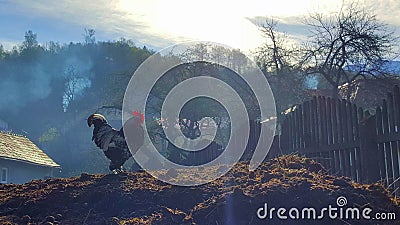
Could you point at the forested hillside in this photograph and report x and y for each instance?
(50, 89)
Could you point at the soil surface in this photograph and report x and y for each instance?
(137, 198)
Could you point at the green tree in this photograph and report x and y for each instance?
(30, 41)
(3, 53)
(37, 79)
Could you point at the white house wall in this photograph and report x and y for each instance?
(20, 172)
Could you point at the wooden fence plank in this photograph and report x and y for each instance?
(326, 155)
(286, 138)
(335, 131)
(351, 138)
(381, 147)
(393, 143)
(396, 96)
(368, 145)
(357, 139)
(301, 124)
(330, 134)
(320, 130)
(340, 137)
(306, 123)
(294, 134)
(290, 131)
(388, 163)
(346, 155)
(314, 122)
(297, 128)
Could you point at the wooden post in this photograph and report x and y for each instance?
(393, 143)
(357, 139)
(369, 150)
(335, 125)
(283, 142)
(388, 157)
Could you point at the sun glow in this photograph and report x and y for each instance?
(223, 21)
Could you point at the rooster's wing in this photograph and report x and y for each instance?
(103, 136)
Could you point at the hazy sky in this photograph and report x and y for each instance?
(158, 24)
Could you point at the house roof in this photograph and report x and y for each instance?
(17, 147)
(368, 93)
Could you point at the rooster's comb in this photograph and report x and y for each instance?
(138, 114)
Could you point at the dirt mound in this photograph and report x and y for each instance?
(137, 198)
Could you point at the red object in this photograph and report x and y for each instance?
(139, 114)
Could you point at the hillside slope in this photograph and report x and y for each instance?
(137, 198)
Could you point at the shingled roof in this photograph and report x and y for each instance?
(16, 147)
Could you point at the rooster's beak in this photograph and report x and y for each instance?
(90, 121)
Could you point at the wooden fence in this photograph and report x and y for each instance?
(345, 139)
(388, 137)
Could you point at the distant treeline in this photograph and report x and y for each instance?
(47, 90)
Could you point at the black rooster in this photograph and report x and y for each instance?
(113, 142)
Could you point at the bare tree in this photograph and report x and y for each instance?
(74, 83)
(346, 46)
(275, 55)
(198, 52)
(219, 54)
(238, 60)
(71, 84)
(89, 36)
(277, 59)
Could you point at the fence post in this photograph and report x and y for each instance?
(369, 150)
